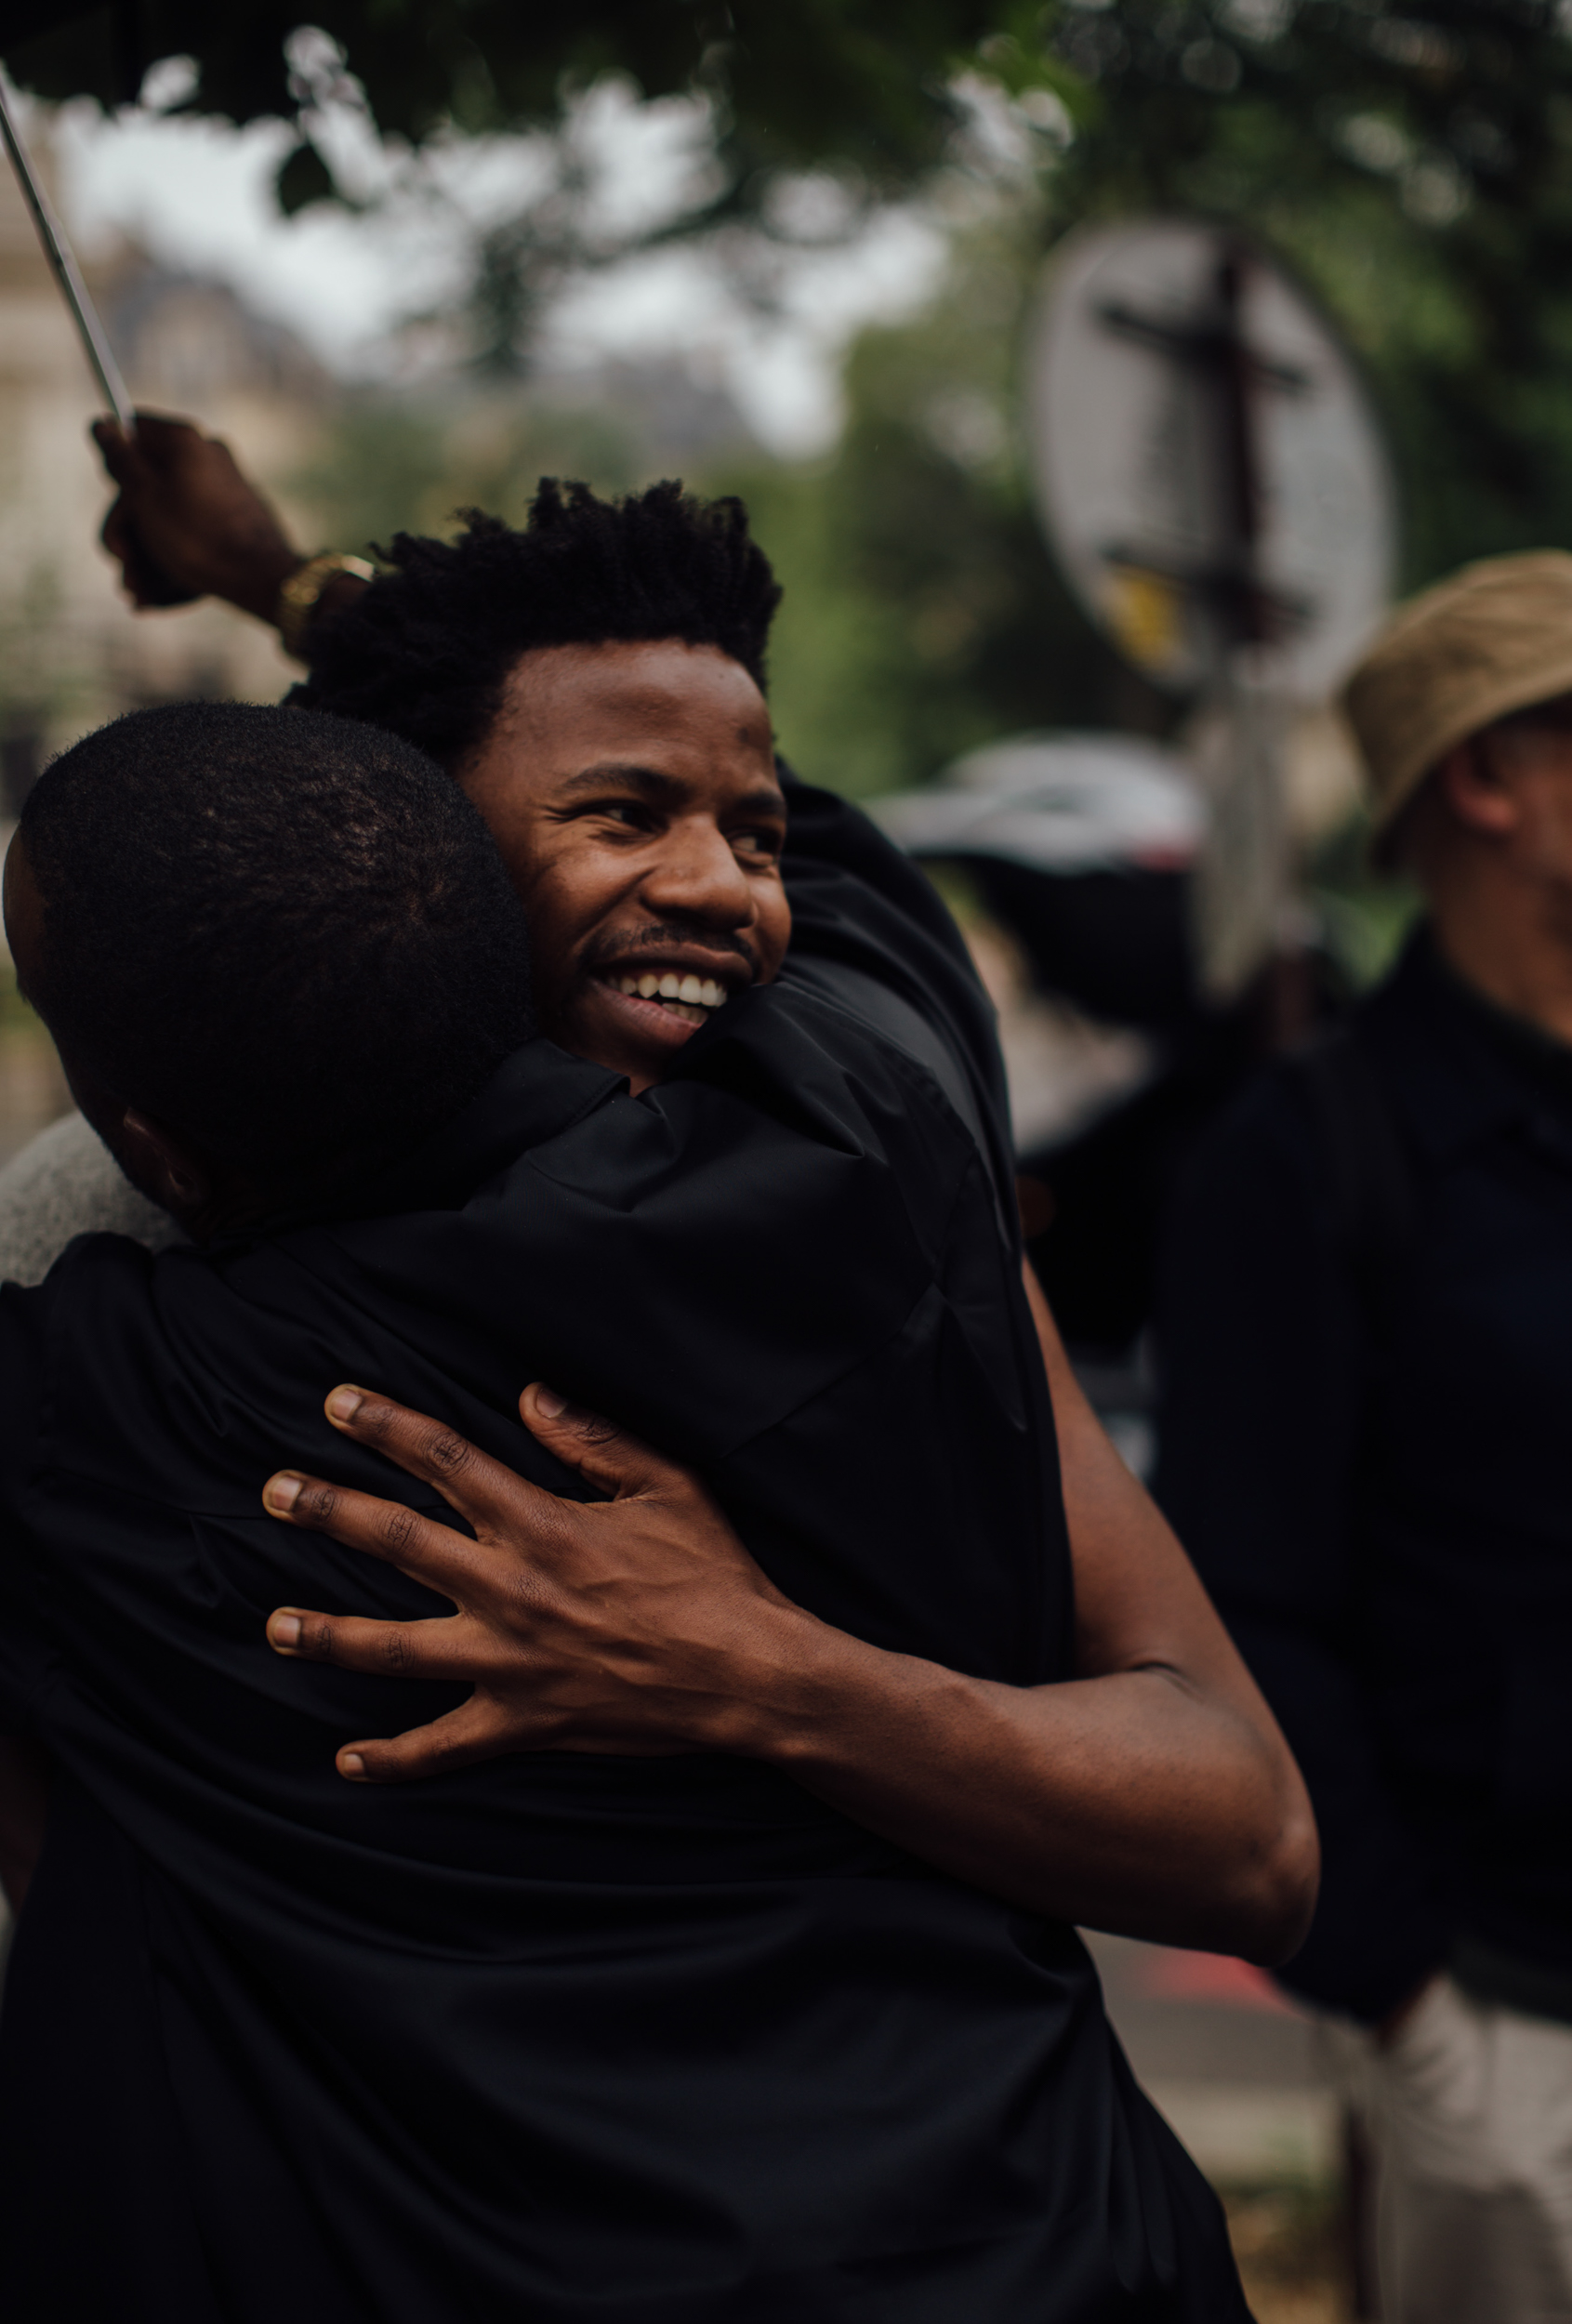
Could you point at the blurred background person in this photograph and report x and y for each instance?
(1363, 1445)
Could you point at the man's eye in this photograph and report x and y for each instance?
(764, 845)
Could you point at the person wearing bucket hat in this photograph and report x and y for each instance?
(1490, 648)
(1365, 1450)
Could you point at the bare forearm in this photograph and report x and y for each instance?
(1126, 1802)
(1151, 1793)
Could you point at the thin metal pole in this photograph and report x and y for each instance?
(1234, 375)
(67, 274)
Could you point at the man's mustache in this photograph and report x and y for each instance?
(668, 935)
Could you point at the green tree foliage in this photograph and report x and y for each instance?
(389, 464)
(1412, 161)
(923, 615)
(1416, 171)
(858, 84)
(1416, 166)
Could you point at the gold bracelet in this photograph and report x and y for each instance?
(298, 598)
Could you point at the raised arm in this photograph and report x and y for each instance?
(1151, 1795)
(189, 523)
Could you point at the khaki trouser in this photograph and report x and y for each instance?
(1468, 2115)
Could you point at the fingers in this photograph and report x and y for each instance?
(475, 1730)
(481, 1489)
(389, 1650)
(116, 534)
(117, 450)
(417, 1546)
(607, 1456)
(160, 442)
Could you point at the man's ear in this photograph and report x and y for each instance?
(1470, 781)
(158, 1161)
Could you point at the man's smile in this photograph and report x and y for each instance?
(691, 999)
(666, 998)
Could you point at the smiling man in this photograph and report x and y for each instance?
(767, 2060)
(645, 843)
(636, 2027)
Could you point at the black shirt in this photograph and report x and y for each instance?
(636, 2041)
(1379, 1496)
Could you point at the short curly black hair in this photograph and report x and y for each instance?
(426, 650)
(290, 937)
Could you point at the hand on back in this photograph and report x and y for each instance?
(626, 1625)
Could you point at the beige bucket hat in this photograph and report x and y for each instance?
(1496, 636)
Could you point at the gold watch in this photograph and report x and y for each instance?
(298, 598)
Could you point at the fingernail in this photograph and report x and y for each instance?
(344, 1404)
(281, 1492)
(549, 1402)
(285, 1629)
(352, 1764)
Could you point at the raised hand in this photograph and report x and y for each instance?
(187, 522)
(639, 1624)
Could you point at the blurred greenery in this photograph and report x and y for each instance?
(1292, 2241)
(862, 87)
(923, 615)
(1363, 917)
(1417, 167)
(922, 612)
(389, 464)
(1414, 169)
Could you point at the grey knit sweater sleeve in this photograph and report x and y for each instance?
(66, 1182)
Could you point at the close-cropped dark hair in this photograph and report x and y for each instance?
(428, 648)
(291, 938)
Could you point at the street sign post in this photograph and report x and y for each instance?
(1215, 486)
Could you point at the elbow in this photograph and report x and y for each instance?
(1279, 1889)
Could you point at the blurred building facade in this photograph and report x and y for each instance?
(71, 651)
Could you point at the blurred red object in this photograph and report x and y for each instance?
(1213, 1978)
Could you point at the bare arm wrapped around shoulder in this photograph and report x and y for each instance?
(1152, 1795)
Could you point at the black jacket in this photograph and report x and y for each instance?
(563, 2038)
(1372, 1465)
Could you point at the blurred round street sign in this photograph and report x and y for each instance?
(1207, 463)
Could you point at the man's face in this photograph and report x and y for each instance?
(632, 791)
(1533, 767)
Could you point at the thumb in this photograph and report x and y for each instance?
(603, 1454)
(118, 451)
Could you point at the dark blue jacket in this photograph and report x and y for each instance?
(1378, 1491)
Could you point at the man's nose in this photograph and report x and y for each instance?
(697, 872)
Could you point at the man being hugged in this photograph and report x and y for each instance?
(666, 2014)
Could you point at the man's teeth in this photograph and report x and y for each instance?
(701, 992)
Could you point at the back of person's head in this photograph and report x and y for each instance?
(288, 938)
(429, 647)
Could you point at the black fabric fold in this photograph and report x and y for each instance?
(581, 2040)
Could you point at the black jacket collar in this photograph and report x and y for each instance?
(1464, 1070)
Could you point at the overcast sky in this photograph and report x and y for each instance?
(198, 195)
